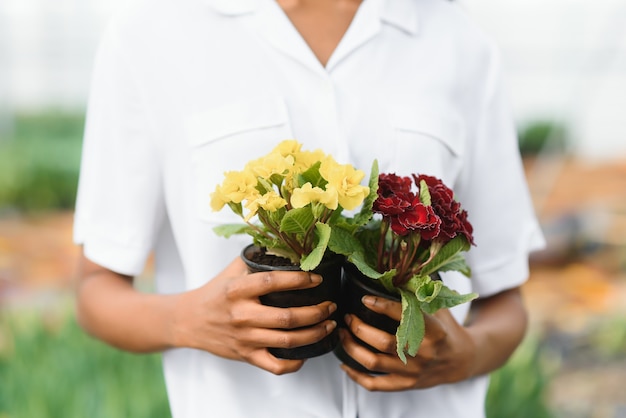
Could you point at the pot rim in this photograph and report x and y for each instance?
(264, 267)
(351, 272)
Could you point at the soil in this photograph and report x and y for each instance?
(262, 258)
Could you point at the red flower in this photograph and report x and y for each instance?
(391, 184)
(394, 195)
(454, 219)
(410, 226)
(419, 218)
(392, 205)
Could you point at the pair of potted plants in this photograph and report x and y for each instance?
(408, 229)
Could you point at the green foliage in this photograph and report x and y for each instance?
(228, 230)
(297, 221)
(314, 258)
(518, 389)
(50, 368)
(449, 255)
(412, 327)
(39, 161)
(422, 294)
(609, 338)
(542, 134)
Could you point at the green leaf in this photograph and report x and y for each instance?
(263, 241)
(277, 179)
(457, 263)
(236, 208)
(285, 253)
(445, 254)
(412, 328)
(343, 242)
(426, 289)
(447, 298)
(425, 194)
(263, 185)
(313, 176)
(369, 236)
(317, 209)
(274, 217)
(359, 262)
(297, 221)
(228, 230)
(312, 260)
(387, 280)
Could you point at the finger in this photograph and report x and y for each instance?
(264, 338)
(377, 362)
(381, 383)
(256, 315)
(383, 306)
(373, 336)
(258, 284)
(263, 359)
(236, 268)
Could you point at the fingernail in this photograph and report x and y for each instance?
(368, 300)
(315, 278)
(347, 319)
(332, 308)
(331, 326)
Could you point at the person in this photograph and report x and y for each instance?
(186, 90)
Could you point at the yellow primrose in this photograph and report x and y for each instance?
(305, 159)
(287, 147)
(270, 201)
(306, 194)
(346, 181)
(236, 187)
(273, 163)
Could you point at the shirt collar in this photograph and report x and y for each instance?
(233, 7)
(402, 14)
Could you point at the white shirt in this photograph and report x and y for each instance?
(186, 90)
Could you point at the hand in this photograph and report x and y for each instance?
(446, 354)
(225, 317)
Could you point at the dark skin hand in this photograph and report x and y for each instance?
(450, 351)
(223, 317)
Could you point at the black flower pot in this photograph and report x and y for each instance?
(328, 290)
(354, 286)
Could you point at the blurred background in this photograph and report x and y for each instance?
(565, 66)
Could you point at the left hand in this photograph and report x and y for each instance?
(446, 354)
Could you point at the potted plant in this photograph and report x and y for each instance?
(417, 230)
(292, 202)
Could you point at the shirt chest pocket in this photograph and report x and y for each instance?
(225, 138)
(426, 139)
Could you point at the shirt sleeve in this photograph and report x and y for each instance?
(119, 205)
(492, 188)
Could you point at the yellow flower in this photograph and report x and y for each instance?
(287, 147)
(305, 159)
(273, 163)
(237, 187)
(270, 201)
(306, 194)
(345, 180)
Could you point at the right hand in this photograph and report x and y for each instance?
(226, 318)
